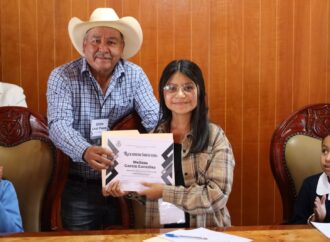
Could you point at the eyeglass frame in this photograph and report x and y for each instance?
(180, 87)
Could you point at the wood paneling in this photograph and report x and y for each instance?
(46, 49)
(165, 36)
(268, 79)
(10, 42)
(29, 58)
(261, 61)
(234, 103)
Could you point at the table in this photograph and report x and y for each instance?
(256, 233)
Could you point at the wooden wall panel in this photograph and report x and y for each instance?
(234, 108)
(46, 48)
(28, 48)
(117, 5)
(200, 35)
(10, 42)
(251, 110)
(63, 46)
(268, 79)
(182, 29)
(217, 78)
(301, 67)
(133, 8)
(165, 36)
(261, 61)
(149, 49)
(285, 59)
(318, 57)
(284, 70)
(92, 4)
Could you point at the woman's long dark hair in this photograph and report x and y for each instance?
(199, 118)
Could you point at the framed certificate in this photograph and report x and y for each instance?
(139, 158)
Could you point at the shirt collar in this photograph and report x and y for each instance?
(323, 185)
(118, 72)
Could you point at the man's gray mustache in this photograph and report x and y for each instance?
(103, 55)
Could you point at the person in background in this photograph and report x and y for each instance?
(203, 157)
(11, 95)
(87, 96)
(10, 217)
(313, 201)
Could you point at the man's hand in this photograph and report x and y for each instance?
(153, 192)
(98, 157)
(319, 209)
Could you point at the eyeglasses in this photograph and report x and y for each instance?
(187, 88)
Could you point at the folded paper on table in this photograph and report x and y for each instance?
(324, 228)
(139, 158)
(202, 233)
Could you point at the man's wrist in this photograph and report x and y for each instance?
(83, 155)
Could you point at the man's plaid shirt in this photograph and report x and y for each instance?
(75, 99)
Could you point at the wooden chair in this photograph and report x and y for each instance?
(296, 149)
(29, 160)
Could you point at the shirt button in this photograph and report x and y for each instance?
(184, 151)
(186, 174)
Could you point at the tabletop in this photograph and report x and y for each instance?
(255, 233)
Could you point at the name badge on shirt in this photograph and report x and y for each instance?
(97, 126)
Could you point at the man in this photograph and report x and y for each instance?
(10, 217)
(87, 96)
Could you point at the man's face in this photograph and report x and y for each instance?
(103, 47)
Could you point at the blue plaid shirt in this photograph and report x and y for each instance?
(75, 98)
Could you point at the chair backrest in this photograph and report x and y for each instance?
(295, 151)
(29, 160)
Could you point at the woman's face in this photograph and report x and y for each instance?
(325, 156)
(180, 94)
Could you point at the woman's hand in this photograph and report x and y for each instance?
(319, 209)
(113, 189)
(153, 191)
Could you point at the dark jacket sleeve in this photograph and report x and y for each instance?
(304, 204)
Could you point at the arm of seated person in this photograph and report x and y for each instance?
(320, 211)
(9, 210)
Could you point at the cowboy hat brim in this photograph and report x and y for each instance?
(128, 26)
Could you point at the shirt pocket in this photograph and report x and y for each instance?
(203, 160)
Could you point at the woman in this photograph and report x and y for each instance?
(313, 201)
(204, 160)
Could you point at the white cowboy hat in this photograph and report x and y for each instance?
(107, 17)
